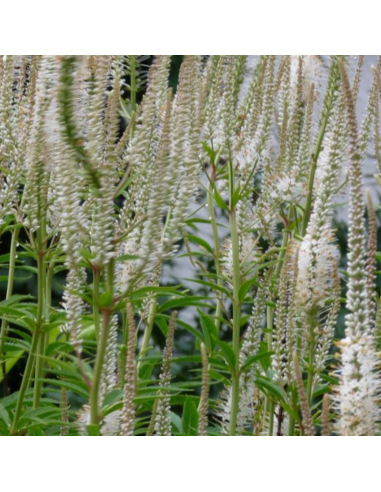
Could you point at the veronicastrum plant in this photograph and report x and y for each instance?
(109, 176)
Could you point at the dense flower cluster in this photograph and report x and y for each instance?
(357, 398)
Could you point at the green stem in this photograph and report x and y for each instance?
(11, 279)
(236, 306)
(44, 340)
(282, 254)
(270, 327)
(330, 98)
(217, 253)
(101, 352)
(293, 390)
(25, 381)
(41, 279)
(96, 315)
(131, 126)
(39, 370)
(148, 331)
(152, 308)
(310, 383)
(271, 420)
(123, 352)
(291, 427)
(269, 403)
(278, 270)
(307, 212)
(133, 83)
(271, 312)
(292, 423)
(40, 318)
(107, 313)
(311, 369)
(48, 290)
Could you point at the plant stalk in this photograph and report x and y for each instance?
(96, 315)
(319, 146)
(40, 318)
(11, 279)
(101, 352)
(148, 331)
(107, 313)
(25, 382)
(236, 305)
(217, 253)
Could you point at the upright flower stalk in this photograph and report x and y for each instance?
(129, 410)
(162, 417)
(359, 380)
(236, 304)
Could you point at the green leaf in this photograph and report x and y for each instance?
(255, 358)
(190, 418)
(209, 330)
(58, 348)
(162, 324)
(220, 378)
(14, 300)
(88, 333)
(177, 422)
(213, 286)
(4, 416)
(77, 388)
(21, 334)
(93, 430)
(16, 345)
(272, 388)
(105, 300)
(190, 329)
(9, 402)
(228, 354)
(211, 153)
(330, 379)
(146, 370)
(124, 258)
(201, 242)
(321, 390)
(183, 302)
(5, 258)
(12, 359)
(245, 288)
(236, 196)
(111, 399)
(5, 278)
(220, 202)
(86, 254)
(164, 291)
